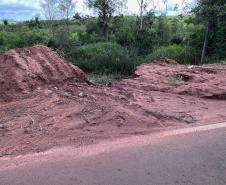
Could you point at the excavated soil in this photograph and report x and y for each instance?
(23, 70)
(46, 102)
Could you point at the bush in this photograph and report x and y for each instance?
(103, 58)
(65, 40)
(181, 54)
(31, 38)
(3, 49)
(145, 41)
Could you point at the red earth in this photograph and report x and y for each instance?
(46, 102)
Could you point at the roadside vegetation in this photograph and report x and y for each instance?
(113, 44)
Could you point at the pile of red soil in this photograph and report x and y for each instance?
(24, 70)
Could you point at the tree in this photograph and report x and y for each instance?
(77, 17)
(105, 10)
(6, 22)
(67, 9)
(50, 9)
(212, 12)
(163, 31)
(143, 4)
(37, 20)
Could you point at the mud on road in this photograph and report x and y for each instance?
(46, 102)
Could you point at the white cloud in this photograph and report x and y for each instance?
(26, 9)
(133, 5)
(19, 9)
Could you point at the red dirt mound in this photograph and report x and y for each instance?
(24, 70)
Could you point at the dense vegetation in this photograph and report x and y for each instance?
(121, 44)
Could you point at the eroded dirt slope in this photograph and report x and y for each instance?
(68, 111)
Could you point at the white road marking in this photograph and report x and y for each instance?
(195, 129)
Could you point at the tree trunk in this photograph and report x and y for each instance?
(67, 6)
(52, 27)
(141, 14)
(68, 21)
(205, 43)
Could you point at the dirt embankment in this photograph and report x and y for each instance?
(52, 104)
(168, 76)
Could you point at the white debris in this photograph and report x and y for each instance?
(56, 88)
(190, 67)
(80, 94)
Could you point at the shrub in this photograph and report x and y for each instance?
(32, 37)
(103, 58)
(145, 41)
(10, 40)
(3, 49)
(181, 54)
(65, 40)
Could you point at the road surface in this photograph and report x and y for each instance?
(190, 156)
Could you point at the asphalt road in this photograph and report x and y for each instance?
(185, 157)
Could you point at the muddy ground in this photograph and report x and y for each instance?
(46, 102)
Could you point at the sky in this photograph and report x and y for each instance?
(20, 10)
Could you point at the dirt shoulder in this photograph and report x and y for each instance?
(71, 112)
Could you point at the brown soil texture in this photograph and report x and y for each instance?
(66, 109)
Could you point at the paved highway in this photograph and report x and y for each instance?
(189, 156)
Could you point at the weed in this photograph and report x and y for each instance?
(180, 78)
(32, 121)
(128, 113)
(104, 80)
(67, 95)
(175, 81)
(86, 118)
(54, 119)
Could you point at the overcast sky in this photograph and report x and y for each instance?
(20, 10)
